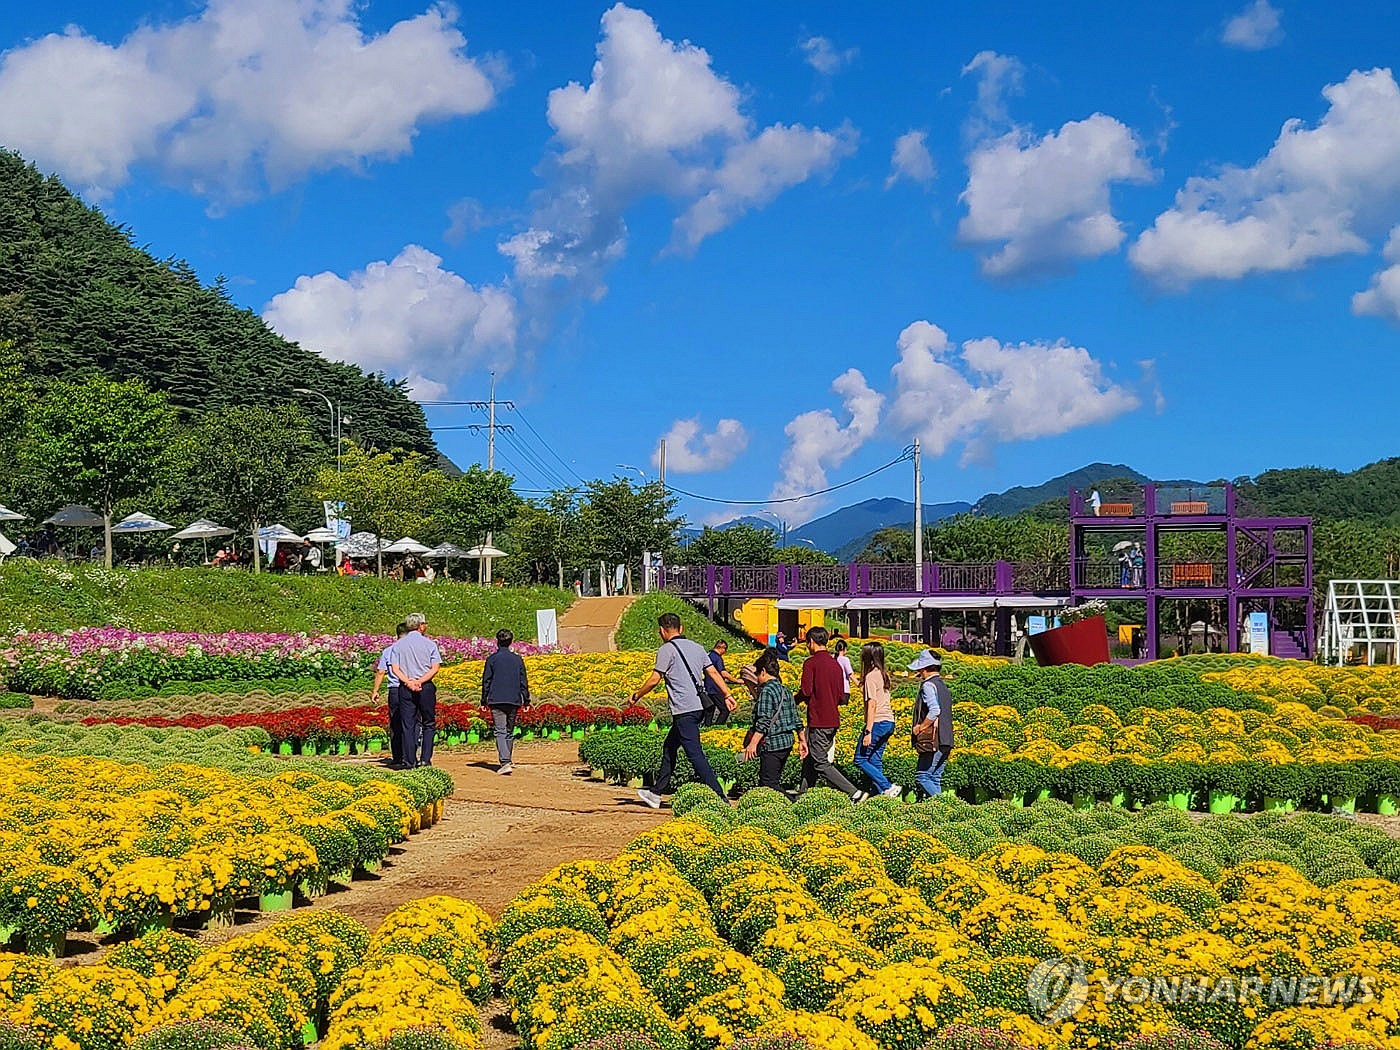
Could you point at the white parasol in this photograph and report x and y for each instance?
(407, 545)
(137, 523)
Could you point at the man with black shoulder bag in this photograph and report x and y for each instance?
(680, 663)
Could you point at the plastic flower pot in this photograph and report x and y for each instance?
(1343, 805)
(554, 734)
(1041, 795)
(1222, 801)
(1018, 800)
(579, 734)
(6, 933)
(277, 901)
(1082, 800)
(341, 878)
(103, 928)
(375, 745)
(370, 867)
(309, 1035)
(1119, 798)
(426, 814)
(439, 807)
(47, 943)
(1387, 805)
(284, 747)
(1180, 800)
(220, 917)
(1273, 804)
(473, 737)
(634, 782)
(1082, 642)
(342, 747)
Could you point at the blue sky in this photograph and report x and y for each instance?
(789, 236)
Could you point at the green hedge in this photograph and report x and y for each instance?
(638, 627)
(633, 753)
(53, 596)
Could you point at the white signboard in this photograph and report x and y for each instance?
(334, 520)
(1258, 633)
(546, 627)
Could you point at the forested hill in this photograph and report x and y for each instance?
(77, 297)
(1370, 493)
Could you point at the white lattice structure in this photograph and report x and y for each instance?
(1360, 623)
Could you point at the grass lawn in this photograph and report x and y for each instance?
(638, 627)
(55, 596)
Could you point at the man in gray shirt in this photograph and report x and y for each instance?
(681, 663)
(415, 659)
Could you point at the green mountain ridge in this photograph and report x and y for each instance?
(78, 297)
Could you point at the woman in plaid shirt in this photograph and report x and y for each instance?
(775, 723)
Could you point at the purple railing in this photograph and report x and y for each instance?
(867, 580)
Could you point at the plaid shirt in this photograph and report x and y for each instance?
(775, 716)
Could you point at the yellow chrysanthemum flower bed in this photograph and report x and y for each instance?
(130, 847)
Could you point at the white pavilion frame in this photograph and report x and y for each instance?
(1361, 614)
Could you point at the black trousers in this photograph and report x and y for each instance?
(418, 712)
(685, 736)
(770, 768)
(395, 726)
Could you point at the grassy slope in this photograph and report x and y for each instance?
(51, 596)
(638, 627)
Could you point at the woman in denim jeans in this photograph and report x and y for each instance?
(879, 719)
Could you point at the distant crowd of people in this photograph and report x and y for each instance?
(698, 685)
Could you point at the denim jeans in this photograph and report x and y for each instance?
(503, 719)
(929, 774)
(685, 735)
(870, 758)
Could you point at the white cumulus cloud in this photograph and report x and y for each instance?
(1382, 298)
(690, 450)
(407, 318)
(243, 97)
(1038, 204)
(1257, 27)
(655, 119)
(818, 442)
(984, 392)
(1319, 192)
(911, 160)
(824, 56)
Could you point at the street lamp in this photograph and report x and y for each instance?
(781, 524)
(336, 418)
(642, 473)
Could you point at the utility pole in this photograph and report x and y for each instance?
(918, 538)
(489, 407)
(662, 473)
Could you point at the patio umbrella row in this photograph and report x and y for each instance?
(358, 545)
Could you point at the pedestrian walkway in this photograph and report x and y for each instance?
(590, 624)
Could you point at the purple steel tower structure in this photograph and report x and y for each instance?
(1166, 543)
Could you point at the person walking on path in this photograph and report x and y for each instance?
(822, 690)
(775, 723)
(384, 671)
(933, 723)
(845, 663)
(716, 710)
(505, 690)
(879, 719)
(680, 664)
(416, 659)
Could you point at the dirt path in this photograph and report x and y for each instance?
(590, 624)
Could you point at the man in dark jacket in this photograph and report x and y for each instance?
(504, 689)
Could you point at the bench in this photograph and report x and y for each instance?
(1191, 507)
(1115, 510)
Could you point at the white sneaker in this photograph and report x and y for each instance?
(651, 798)
(893, 791)
(506, 770)
(859, 797)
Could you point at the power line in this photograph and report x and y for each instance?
(906, 455)
(548, 447)
(546, 472)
